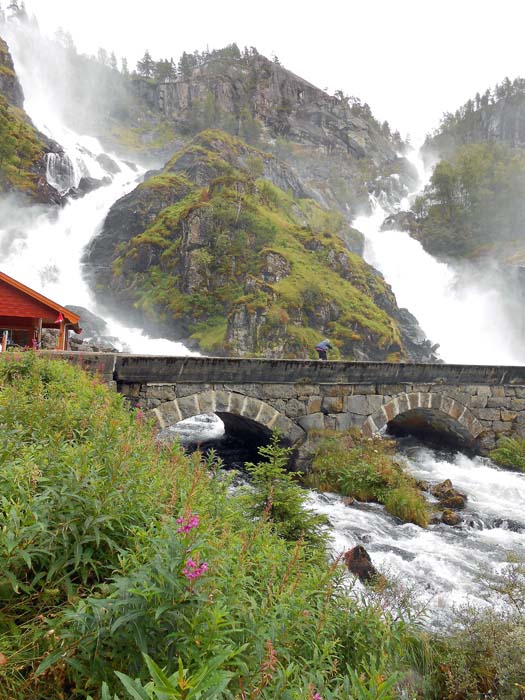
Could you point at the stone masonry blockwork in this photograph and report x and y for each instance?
(296, 396)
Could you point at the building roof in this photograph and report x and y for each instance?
(19, 301)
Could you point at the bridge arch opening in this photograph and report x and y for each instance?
(431, 427)
(431, 417)
(234, 439)
(234, 425)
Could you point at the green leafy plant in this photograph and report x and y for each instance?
(276, 496)
(510, 452)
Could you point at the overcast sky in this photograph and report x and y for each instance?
(411, 60)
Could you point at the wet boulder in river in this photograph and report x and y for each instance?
(448, 496)
(359, 563)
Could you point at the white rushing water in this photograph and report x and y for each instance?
(471, 316)
(442, 566)
(44, 249)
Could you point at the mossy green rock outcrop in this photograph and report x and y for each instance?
(23, 149)
(212, 251)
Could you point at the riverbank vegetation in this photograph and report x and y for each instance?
(131, 570)
(365, 469)
(510, 453)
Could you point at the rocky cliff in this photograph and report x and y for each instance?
(23, 149)
(338, 149)
(496, 117)
(9, 85)
(214, 251)
(473, 206)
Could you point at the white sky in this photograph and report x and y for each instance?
(411, 60)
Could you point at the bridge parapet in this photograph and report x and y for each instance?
(480, 403)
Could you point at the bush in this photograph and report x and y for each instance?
(365, 469)
(510, 452)
(74, 463)
(483, 655)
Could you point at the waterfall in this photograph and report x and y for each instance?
(60, 172)
(43, 248)
(473, 314)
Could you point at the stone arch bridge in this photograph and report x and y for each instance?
(468, 404)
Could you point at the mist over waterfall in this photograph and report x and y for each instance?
(43, 248)
(473, 313)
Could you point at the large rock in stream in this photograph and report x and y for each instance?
(448, 496)
(359, 563)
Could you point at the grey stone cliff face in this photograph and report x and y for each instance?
(338, 151)
(501, 122)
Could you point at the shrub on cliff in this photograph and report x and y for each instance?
(474, 201)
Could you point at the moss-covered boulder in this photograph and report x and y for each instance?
(211, 251)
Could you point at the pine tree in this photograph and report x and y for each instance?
(184, 67)
(277, 497)
(124, 66)
(102, 57)
(146, 65)
(14, 9)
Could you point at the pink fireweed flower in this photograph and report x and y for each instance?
(192, 570)
(317, 697)
(188, 523)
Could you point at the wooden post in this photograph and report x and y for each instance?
(61, 336)
(4, 340)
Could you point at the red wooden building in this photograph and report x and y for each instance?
(24, 313)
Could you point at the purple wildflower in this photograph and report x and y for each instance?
(317, 697)
(192, 570)
(188, 523)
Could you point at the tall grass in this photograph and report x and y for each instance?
(365, 469)
(510, 452)
(127, 567)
